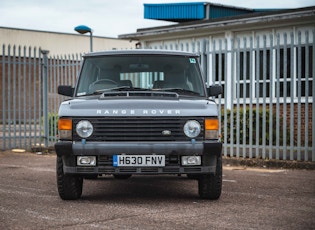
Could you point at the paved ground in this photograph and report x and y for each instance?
(251, 199)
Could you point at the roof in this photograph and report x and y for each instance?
(246, 21)
(141, 52)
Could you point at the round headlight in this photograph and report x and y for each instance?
(192, 128)
(84, 129)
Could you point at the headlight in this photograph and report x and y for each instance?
(192, 128)
(84, 129)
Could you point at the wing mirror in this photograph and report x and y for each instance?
(214, 90)
(65, 90)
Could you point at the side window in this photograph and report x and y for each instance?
(89, 75)
(193, 78)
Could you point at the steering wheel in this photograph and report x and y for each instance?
(102, 84)
(104, 81)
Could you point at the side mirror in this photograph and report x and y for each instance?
(214, 90)
(65, 90)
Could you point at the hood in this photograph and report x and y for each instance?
(137, 107)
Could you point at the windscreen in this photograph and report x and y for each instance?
(179, 74)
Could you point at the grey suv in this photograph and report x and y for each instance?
(139, 112)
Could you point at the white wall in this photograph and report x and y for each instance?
(60, 43)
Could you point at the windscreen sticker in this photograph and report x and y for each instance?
(192, 60)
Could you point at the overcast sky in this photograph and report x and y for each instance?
(107, 18)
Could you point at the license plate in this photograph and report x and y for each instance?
(139, 160)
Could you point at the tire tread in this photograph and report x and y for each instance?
(69, 187)
(210, 185)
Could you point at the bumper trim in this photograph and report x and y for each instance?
(142, 171)
(67, 148)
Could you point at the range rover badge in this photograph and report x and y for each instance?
(166, 132)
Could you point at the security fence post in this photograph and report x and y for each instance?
(45, 96)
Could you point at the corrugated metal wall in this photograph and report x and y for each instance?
(221, 11)
(190, 11)
(174, 11)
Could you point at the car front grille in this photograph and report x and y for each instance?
(138, 128)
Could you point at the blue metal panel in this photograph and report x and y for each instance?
(222, 11)
(175, 11)
(189, 11)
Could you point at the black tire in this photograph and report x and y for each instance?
(69, 187)
(122, 176)
(210, 185)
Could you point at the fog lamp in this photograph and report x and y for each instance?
(86, 160)
(191, 160)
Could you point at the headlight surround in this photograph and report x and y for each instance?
(84, 128)
(192, 128)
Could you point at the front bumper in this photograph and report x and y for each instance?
(172, 150)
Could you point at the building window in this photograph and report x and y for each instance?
(263, 72)
(304, 63)
(244, 73)
(254, 74)
(220, 70)
(283, 72)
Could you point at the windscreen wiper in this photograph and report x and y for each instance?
(120, 88)
(180, 90)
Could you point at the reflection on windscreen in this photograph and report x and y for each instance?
(177, 73)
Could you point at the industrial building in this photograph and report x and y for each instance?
(59, 43)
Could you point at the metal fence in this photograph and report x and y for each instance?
(269, 90)
(266, 110)
(29, 105)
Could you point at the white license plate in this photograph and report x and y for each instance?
(139, 160)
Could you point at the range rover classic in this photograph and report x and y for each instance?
(139, 112)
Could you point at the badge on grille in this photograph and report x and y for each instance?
(166, 132)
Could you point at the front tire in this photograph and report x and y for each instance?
(210, 185)
(69, 187)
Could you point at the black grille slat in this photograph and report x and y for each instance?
(137, 128)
